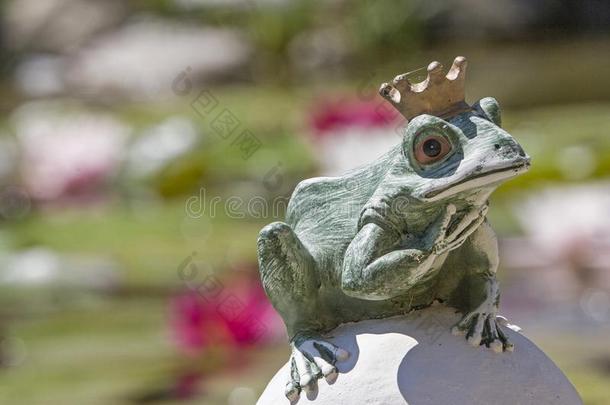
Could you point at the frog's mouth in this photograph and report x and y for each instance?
(494, 175)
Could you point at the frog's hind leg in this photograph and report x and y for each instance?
(290, 280)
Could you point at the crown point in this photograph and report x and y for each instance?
(402, 83)
(459, 60)
(390, 93)
(435, 73)
(458, 69)
(434, 67)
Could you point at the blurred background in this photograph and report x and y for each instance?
(143, 144)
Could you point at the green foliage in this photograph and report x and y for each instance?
(273, 28)
(385, 27)
(182, 176)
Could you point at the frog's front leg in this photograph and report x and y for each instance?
(375, 267)
(291, 282)
(481, 324)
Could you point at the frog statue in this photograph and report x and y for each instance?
(398, 234)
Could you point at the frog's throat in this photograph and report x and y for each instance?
(488, 178)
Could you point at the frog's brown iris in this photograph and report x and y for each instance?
(431, 149)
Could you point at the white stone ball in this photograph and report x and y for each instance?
(414, 359)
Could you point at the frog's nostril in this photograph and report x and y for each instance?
(510, 147)
(517, 148)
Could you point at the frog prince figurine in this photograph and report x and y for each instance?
(399, 233)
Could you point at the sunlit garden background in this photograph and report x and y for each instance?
(143, 144)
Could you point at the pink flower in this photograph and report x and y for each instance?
(351, 132)
(333, 116)
(190, 318)
(237, 315)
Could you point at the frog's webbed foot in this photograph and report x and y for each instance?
(312, 358)
(483, 328)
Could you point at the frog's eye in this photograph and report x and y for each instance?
(431, 148)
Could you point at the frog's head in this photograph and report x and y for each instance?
(452, 150)
(461, 155)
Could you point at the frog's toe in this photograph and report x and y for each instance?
(476, 333)
(457, 331)
(464, 325)
(323, 351)
(474, 340)
(491, 338)
(293, 386)
(306, 369)
(328, 370)
(506, 343)
(293, 391)
(320, 358)
(303, 375)
(336, 353)
(496, 346)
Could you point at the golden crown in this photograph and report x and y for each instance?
(440, 95)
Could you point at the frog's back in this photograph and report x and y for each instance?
(324, 211)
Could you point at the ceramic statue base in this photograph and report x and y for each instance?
(414, 359)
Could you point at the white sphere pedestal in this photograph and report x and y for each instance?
(414, 359)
